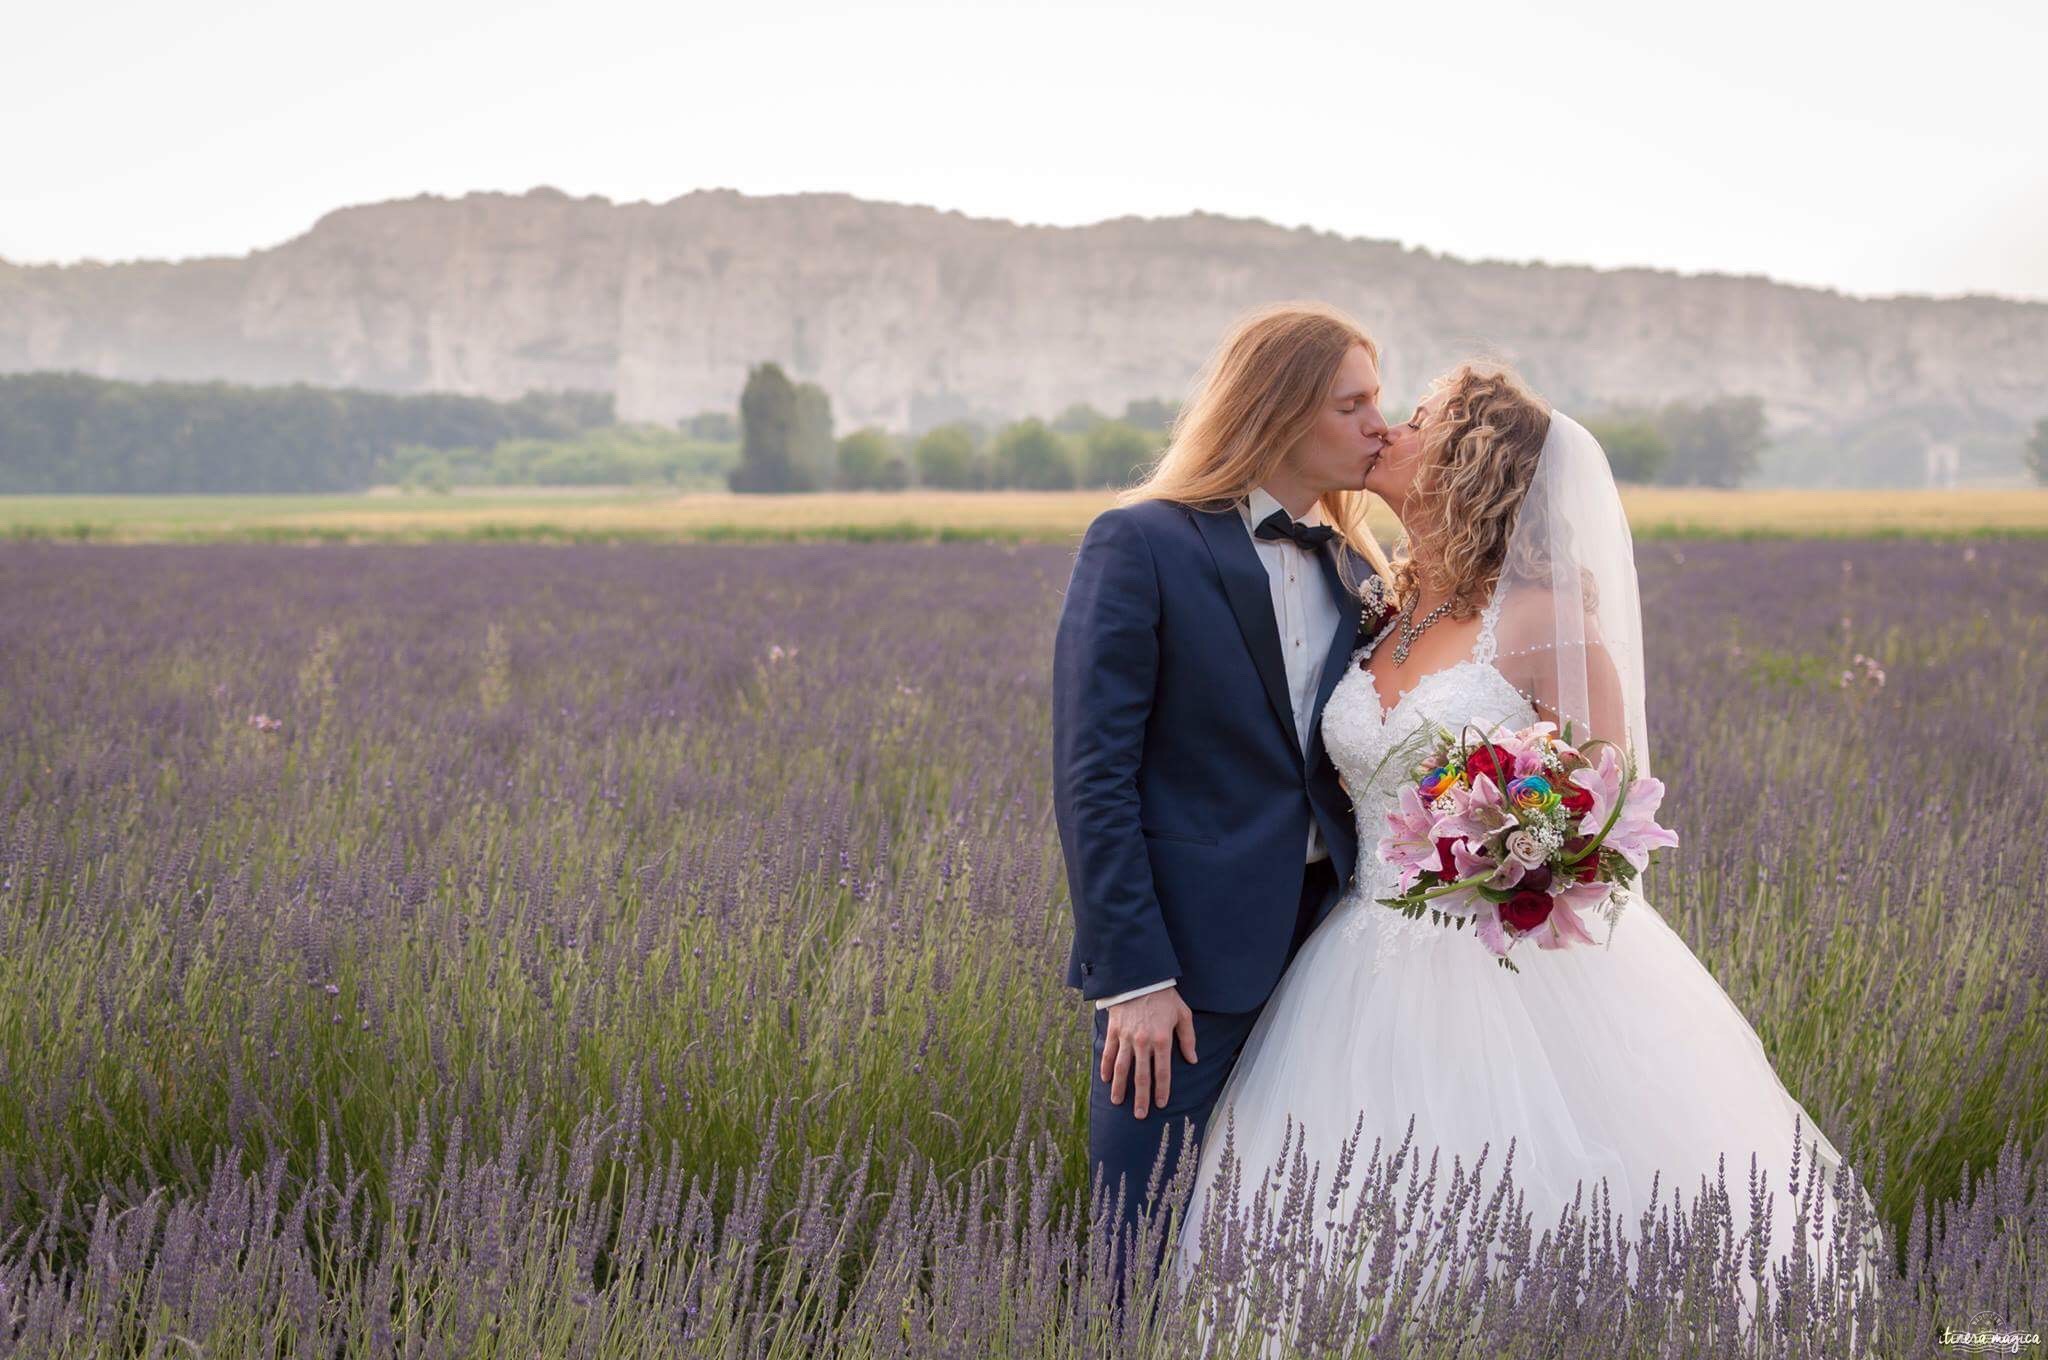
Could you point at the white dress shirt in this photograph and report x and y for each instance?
(1307, 619)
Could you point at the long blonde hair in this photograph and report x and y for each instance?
(1258, 397)
(1479, 453)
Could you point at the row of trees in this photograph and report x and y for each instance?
(1034, 456)
(1715, 443)
(65, 432)
(69, 433)
(786, 445)
(2037, 451)
(610, 455)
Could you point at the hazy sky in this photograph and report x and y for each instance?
(1875, 149)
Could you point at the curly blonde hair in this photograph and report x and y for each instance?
(1479, 449)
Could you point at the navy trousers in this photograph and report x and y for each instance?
(1122, 1149)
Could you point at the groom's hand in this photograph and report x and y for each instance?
(1138, 1052)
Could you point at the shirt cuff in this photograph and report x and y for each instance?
(1103, 1003)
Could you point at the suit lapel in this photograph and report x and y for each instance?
(1250, 592)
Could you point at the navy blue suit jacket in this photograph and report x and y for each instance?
(1181, 790)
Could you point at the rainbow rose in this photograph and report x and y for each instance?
(1532, 793)
(1437, 783)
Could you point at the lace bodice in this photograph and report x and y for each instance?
(1373, 749)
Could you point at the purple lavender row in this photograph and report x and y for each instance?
(623, 950)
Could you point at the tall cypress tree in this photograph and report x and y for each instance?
(768, 433)
(815, 453)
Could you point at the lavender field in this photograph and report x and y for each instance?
(522, 950)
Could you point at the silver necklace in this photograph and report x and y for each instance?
(1411, 630)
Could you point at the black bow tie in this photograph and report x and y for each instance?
(1280, 524)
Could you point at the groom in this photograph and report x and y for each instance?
(1205, 624)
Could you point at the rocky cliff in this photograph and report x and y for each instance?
(909, 316)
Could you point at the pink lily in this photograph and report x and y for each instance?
(1508, 874)
(1486, 925)
(1476, 812)
(1602, 779)
(1464, 864)
(1636, 832)
(1565, 925)
(1479, 813)
(1409, 842)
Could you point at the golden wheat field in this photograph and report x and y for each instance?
(580, 515)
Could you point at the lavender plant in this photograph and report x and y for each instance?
(509, 949)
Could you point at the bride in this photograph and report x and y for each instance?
(1620, 1062)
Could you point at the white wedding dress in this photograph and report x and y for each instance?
(1623, 1062)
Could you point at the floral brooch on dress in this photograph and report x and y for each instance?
(1376, 610)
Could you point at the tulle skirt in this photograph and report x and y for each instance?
(1624, 1063)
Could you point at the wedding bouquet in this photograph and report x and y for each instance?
(1517, 833)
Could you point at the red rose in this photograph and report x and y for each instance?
(1536, 879)
(1526, 910)
(1443, 849)
(1587, 869)
(1577, 801)
(1492, 762)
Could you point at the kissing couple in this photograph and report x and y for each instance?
(1241, 677)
